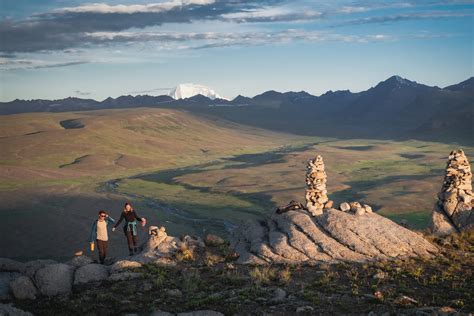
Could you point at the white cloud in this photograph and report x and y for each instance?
(267, 14)
(134, 8)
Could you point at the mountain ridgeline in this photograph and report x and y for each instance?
(396, 108)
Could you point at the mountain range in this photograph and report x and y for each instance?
(394, 108)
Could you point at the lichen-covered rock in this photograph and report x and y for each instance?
(124, 265)
(5, 279)
(23, 288)
(213, 240)
(124, 276)
(79, 261)
(334, 236)
(9, 310)
(32, 266)
(345, 207)
(91, 273)
(9, 265)
(453, 210)
(55, 279)
(201, 313)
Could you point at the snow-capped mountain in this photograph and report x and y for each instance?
(187, 90)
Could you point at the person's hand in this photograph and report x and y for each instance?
(143, 222)
(113, 229)
(92, 246)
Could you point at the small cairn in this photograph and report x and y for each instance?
(316, 192)
(453, 210)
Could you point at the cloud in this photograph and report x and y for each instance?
(64, 28)
(82, 93)
(82, 27)
(218, 39)
(150, 90)
(29, 64)
(104, 8)
(406, 17)
(272, 14)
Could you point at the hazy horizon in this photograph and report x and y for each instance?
(56, 49)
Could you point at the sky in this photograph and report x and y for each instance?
(52, 49)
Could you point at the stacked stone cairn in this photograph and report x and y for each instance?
(317, 198)
(453, 210)
(316, 192)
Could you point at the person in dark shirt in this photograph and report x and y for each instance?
(130, 227)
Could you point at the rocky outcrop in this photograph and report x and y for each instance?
(91, 273)
(23, 288)
(453, 210)
(9, 310)
(5, 279)
(79, 261)
(32, 266)
(9, 265)
(334, 236)
(55, 279)
(316, 192)
(321, 233)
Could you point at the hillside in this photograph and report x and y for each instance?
(395, 108)
(54, 167)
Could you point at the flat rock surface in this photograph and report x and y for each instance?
(334, 236)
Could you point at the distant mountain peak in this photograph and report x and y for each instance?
(188, 90)
(398, 82)
(466, 85)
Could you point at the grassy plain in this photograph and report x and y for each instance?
(192, 174)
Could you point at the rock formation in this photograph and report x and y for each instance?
(353, 233)
(316, 192)
(453, 210)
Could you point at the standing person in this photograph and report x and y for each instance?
(99, 234)
(130, 227)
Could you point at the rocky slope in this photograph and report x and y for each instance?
(294, 236)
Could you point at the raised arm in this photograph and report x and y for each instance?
(122, 216)
(110, 220)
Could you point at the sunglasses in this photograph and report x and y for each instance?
(102, 215)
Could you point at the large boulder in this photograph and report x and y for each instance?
(91, 273)
(212, 240)
(23, 288)
(9, 310)
(5, 279)
(453, 212)
(79, 261)
(201, 313)
(124, 265)
(32, 266)
(55, 279)
(334, 236)
(9, 265)
(124, 276)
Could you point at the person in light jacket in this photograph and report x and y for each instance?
(99, 234)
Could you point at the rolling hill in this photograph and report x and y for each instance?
(396, 108)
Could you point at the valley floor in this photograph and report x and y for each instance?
(193, 175)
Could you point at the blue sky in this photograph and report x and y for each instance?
(53, 49)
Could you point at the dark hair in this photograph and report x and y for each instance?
(102, 212)
(125, 206)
